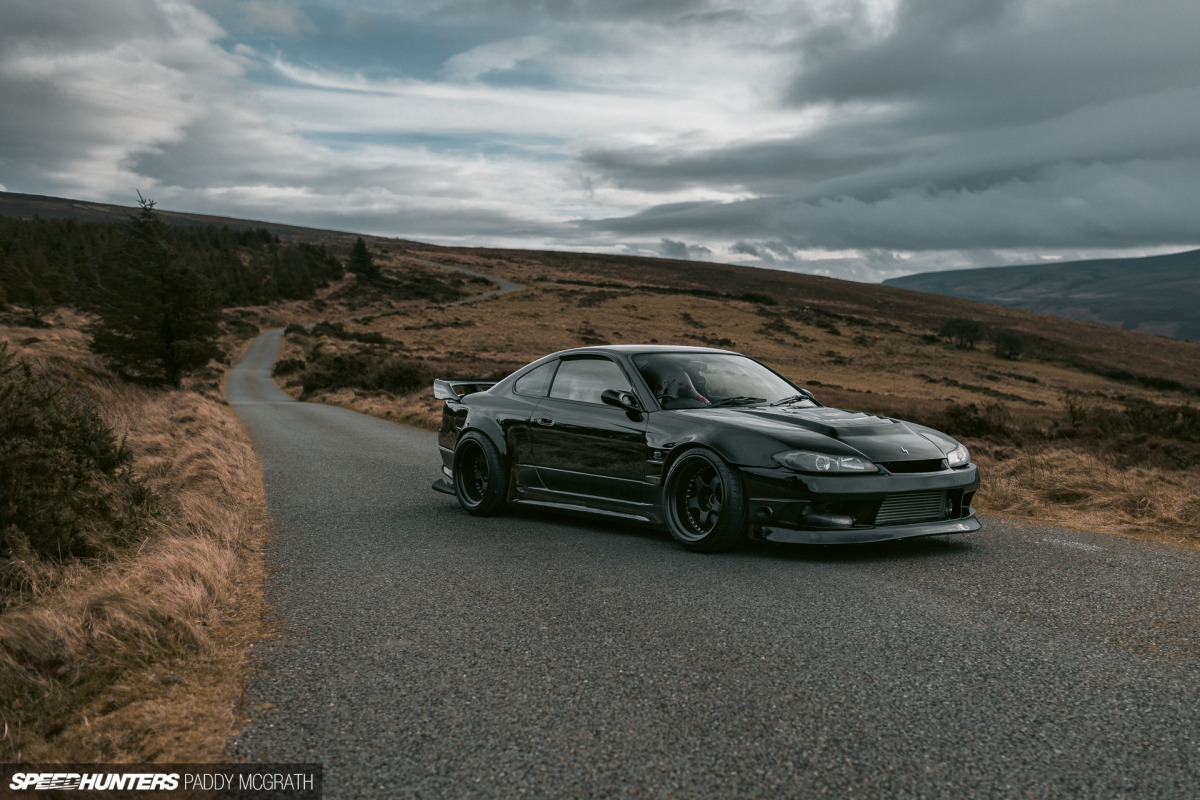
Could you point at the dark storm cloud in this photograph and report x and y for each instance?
(35, 104)
(81, 84)
(971, 64)
(967, 124)
(1070, 206)
(65, 25)
(672, 248)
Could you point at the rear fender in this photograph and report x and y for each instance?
(488, 427)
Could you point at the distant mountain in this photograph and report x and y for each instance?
(1155, 294)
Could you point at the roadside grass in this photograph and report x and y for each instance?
(851, 352)
(141, 656)
(1073, 488)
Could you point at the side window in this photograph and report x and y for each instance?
(536, 382)
(585, 379)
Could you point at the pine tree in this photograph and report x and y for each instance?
(158, 318)
(361, 263)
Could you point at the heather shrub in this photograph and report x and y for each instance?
(992, 419)
(359, 371)
(337, 330)
(288, 366)
(1008, 344)
(66, 490)
(402, 376)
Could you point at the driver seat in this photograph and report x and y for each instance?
(675, 384)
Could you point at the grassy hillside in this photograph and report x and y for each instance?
(1156, 294)
(1092, 427)
(29, 206)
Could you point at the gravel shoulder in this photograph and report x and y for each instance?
(421, 652)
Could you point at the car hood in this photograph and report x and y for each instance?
(877, 438)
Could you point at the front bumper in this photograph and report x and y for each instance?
(785, 506)
(865, 535)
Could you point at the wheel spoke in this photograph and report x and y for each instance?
(698, 501)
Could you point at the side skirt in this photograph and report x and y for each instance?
(583, 509)
(569, 501)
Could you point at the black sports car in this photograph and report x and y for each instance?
(713, 445)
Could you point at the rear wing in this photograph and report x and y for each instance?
(458, 388)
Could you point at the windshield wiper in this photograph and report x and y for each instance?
(737, 401)
(788, 400)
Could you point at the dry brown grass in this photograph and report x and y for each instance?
(1073, 488)
(142, 658)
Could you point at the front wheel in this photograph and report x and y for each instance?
(480, 479)
(705, 503)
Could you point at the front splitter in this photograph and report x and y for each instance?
(866, 535)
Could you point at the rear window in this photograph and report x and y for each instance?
(536, 382)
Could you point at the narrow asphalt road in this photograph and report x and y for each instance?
(426, 653)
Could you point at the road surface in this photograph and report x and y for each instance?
(422, 652)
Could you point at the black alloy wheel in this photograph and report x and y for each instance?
(705, 503)
(480, 479)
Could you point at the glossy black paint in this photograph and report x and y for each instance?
(602, 458)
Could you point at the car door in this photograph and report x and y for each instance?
(581, 445)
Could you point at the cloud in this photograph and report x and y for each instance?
(860, 139)
(503, 55)
(671, 248)
(980, 126)
(95, 91)
(279, 18)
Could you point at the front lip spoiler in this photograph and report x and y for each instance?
(968, 524)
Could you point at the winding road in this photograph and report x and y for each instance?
(505, 286)
(422, 652)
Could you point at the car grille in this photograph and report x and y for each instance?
(899, 509)
(921, 465)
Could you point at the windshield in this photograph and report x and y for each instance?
(699, 380)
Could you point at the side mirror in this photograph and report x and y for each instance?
(625, 400)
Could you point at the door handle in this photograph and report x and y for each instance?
(544, 420)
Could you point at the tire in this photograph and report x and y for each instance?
(705, 503)
(480, 478)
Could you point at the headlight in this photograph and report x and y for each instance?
(958, 456)
(802, 461)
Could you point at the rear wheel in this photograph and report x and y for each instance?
(705, 503)
(480, 479)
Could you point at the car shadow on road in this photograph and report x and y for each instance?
(894, 550)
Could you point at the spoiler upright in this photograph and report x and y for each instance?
(458, 388)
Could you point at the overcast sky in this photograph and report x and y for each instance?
(856, 138)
